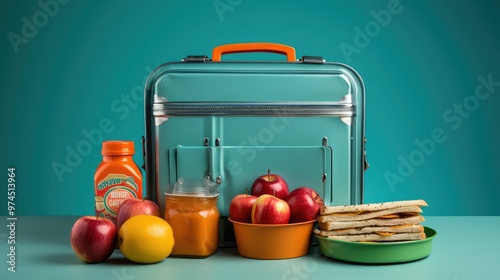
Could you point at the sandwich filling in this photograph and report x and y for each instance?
(378, 222)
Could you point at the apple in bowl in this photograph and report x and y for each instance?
(304, 203)
(240, 208)
(269, 209)
(271, 184)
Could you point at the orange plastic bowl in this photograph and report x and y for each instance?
(273, 242)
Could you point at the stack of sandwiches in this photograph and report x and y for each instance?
(376, 222)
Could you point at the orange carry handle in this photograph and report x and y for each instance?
(253, 47)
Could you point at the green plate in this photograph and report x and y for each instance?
(387, 252)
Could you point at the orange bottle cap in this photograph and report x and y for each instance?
(117, 148)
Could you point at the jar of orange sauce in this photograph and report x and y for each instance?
(191, 210)
(116, 179)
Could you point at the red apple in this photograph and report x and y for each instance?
(240, 208)
(304, 204)
(93, 239)
(136, 206)
(269, 209)
(270, 184)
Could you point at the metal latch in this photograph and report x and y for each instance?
(196, 58)
(143, 141)
(364, 158)
(312, 59)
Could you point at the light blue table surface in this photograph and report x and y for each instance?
(464, 248)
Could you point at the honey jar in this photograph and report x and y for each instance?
(191, 210)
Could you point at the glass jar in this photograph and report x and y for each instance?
(191, 210)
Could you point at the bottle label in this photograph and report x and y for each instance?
(111, 192)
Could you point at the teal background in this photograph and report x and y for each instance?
(88, 61)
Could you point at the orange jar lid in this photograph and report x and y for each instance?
(111, 148)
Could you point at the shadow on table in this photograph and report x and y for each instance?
(116, 259)
(61, 259)
(315, 253)
(46, 230)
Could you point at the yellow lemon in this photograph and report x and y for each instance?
(145, 239)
